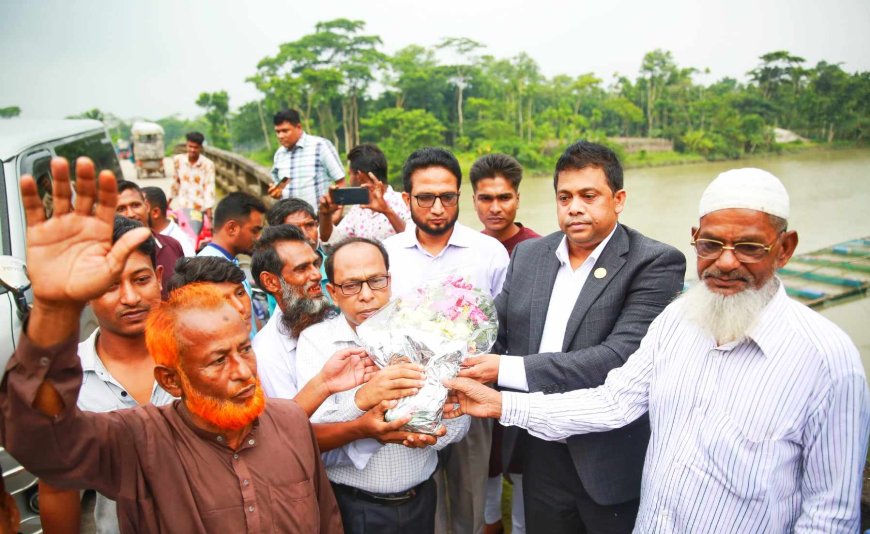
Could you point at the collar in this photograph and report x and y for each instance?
(343, 333)
(284, 335)
(773, 325)
(462, 236)
(88, 352)
(562, 249)
(302, 142)
(223, 251)
(215, 437)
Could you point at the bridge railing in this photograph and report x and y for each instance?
(236, 173)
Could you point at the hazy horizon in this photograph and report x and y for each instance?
(152, 59)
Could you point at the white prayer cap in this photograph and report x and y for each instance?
(748, 188)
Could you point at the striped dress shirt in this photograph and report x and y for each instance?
(312, 165)
(764, 435)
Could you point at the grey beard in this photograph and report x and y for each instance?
(727, 318)
(301, 312)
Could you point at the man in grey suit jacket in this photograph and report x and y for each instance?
(575, 305)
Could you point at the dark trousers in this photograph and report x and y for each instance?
(556, 501)
(361, 516)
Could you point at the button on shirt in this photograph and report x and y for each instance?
(389, 468)
(764, 435)
(566, 290)
(481, 259)
(193, 185)
(363, 222)
(312, 165)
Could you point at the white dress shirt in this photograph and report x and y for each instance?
(175, 232)
(764, 435)
(275, 347)
(566, 290)
(389, 468)
(481, 259)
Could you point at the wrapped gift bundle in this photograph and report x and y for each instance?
(435, 326)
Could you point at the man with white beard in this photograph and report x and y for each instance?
(759, 407)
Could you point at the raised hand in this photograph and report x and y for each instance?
(347, 369)
(469, 397)
(376, 193)
(70, 257)
(390, 383)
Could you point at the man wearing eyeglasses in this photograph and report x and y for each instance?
(437, 245)
(759, 406)
(391, 489)
(575, 305)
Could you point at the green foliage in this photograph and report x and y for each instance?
(217, 110)
(473, 102)
(10, 112)
(399, 132)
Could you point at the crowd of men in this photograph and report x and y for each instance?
(620, 405)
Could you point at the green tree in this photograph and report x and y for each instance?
(10, 112)
(399, 132)
(461, 71)
(217, 111)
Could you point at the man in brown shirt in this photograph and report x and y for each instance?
(218, 460)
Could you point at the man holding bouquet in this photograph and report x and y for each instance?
(394, 490)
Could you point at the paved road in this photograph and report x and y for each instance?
(129, 171)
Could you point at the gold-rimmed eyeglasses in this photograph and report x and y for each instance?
(745, 252)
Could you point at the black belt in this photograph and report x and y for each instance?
(387, 499)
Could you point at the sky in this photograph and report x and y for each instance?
(152, 58)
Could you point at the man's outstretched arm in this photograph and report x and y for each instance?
(71, 259)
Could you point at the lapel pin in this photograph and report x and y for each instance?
(600, 272)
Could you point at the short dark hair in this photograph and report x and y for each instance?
(122, 225)
(204, 269)
(236, 206)
(368, 158)
(495, 165)
(195, 137)
(288, 206)
(330, 260)
(424, 158)
(156, 198)
(584, 154)
(124, 185)
(265, 258)
(287, 115)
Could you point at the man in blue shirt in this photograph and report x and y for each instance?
(238, 221)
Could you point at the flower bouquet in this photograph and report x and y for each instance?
(436, 326)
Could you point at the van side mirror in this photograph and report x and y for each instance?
(13, 277)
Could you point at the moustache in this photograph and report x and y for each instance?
(713, 272)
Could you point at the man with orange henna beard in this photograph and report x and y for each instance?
(220, 459)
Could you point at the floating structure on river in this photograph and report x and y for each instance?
(830, 276)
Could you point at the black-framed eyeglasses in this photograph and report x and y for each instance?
(747, 252)
(427, 200)
(355, 286)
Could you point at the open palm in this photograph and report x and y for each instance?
(70, 257)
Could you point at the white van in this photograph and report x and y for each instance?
(26, 147)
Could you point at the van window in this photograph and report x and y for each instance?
(96, 146)
(38, 165)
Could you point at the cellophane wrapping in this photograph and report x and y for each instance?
(437, 326)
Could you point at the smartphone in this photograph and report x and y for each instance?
(351, 195)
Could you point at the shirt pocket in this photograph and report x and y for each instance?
(730, 459)
(295, 507)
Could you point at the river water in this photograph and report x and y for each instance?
(830, 200)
